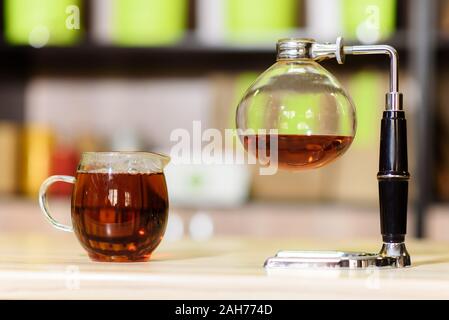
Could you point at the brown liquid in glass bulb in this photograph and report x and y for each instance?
(299, 152)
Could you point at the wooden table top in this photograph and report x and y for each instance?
(54, 266)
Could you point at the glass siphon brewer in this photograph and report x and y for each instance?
(311, 121)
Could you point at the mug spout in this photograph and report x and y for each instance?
(164, 160)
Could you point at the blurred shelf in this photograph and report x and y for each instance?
(442, 48)
(88, 58)
(189, 55)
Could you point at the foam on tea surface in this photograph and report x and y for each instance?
(123, 162)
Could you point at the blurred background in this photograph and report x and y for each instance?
(92, 75)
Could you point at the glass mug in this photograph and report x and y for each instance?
(119, 204)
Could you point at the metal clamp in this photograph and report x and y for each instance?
(291, 49)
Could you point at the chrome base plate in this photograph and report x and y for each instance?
(330, 260)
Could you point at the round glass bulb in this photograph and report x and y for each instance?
(307, 111)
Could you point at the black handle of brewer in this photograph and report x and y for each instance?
(393, 176)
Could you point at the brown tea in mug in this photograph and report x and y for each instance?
(299, 151)
(120, 216)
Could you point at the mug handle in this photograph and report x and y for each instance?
(43, 202)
